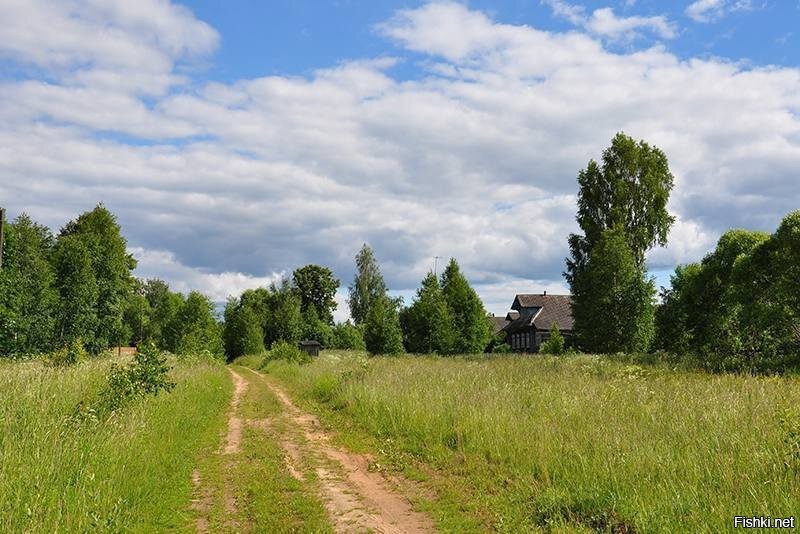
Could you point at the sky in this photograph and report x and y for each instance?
(237, 140)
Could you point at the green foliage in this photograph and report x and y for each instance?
(630, 192)
(316, 286)
(473, 331)
(111, 265)
(316, 329)
(738, 309)
(622, 211)
(282, 319)
(78, 292)
(555, 343)
(136, 317)
(346, 336)
(382, 332)
(242, 332)
(429, 324)
(613, 306)
(145, 375)
(194, 330)
(367, 286)
(72, 354)
(290, 352)
(28, 298)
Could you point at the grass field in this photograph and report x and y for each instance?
(578, 443)
(130, 473)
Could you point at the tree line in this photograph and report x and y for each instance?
(78, 286)
(737, 309)
(446, 317)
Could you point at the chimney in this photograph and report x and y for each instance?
(545, 293)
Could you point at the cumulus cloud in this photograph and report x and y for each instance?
(223, 185)
(711, 10)
(605, 23)
(218, 286)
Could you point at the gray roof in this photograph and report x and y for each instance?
(498, 323)
(548, 309)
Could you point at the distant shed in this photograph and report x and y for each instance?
(310, 346)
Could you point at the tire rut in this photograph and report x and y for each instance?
(356, 498)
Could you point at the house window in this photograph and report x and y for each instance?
(527, 340)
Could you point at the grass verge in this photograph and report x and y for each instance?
(526, 444)
(130, 472)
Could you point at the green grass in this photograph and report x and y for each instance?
(541, 443)
(131, 472)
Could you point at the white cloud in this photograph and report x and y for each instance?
(226, 184)
(605, 23)
(711, 10)
(182, 278)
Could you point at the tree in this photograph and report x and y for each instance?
(316, 329)
(382, 333)
(630, 192)
(346, 336)
(613, 304)
(78, 291)
(100, 233)
(242, 332)
(473, 331)
(195, 329)
(283, 319)
(316, 286)
(28, 297)
(622, 211)
(428, 324)
(367, 286)
(136, 313)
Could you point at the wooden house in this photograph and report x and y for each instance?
(531, 318)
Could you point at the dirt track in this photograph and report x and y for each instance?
(356, 498)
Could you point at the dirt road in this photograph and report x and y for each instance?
(355, 498)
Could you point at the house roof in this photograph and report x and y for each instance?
(513, 315)
(498, 323)
(547, 309)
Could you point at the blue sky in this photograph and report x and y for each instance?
(298, 36)
(238, 140)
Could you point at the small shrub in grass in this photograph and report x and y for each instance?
(502, 348)
(145, 375)
(554, 344)
(72, 354)
(283, 350)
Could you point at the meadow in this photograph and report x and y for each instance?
(571, 443)
(65, 468)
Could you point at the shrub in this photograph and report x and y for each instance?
(72, 354)
(554, 344)
(145, 375)
(346, 336)
(283, 350)
(502, 348)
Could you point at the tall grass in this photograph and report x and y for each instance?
(131, 472)
(537, 442)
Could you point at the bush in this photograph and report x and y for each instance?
(502, 348)
(72, 354)
(145, 375)
(554, 344)
(283, 350)
(346, 336)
